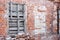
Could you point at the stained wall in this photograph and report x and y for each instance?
(33, 8)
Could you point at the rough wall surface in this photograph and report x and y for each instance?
(3, 20)
(33, 8)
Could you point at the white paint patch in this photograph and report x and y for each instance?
(42, 8)
(40, 21)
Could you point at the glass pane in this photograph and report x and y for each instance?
(14, 13)
(14, 7)
(20, 14)
(20, 7)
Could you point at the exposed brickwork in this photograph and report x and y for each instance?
(31, 4)
(3, 21)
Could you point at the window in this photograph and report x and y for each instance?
(16, 19)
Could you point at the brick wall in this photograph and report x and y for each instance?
(3, 21)
(31, 4)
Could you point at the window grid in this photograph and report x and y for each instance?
(16, 19)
